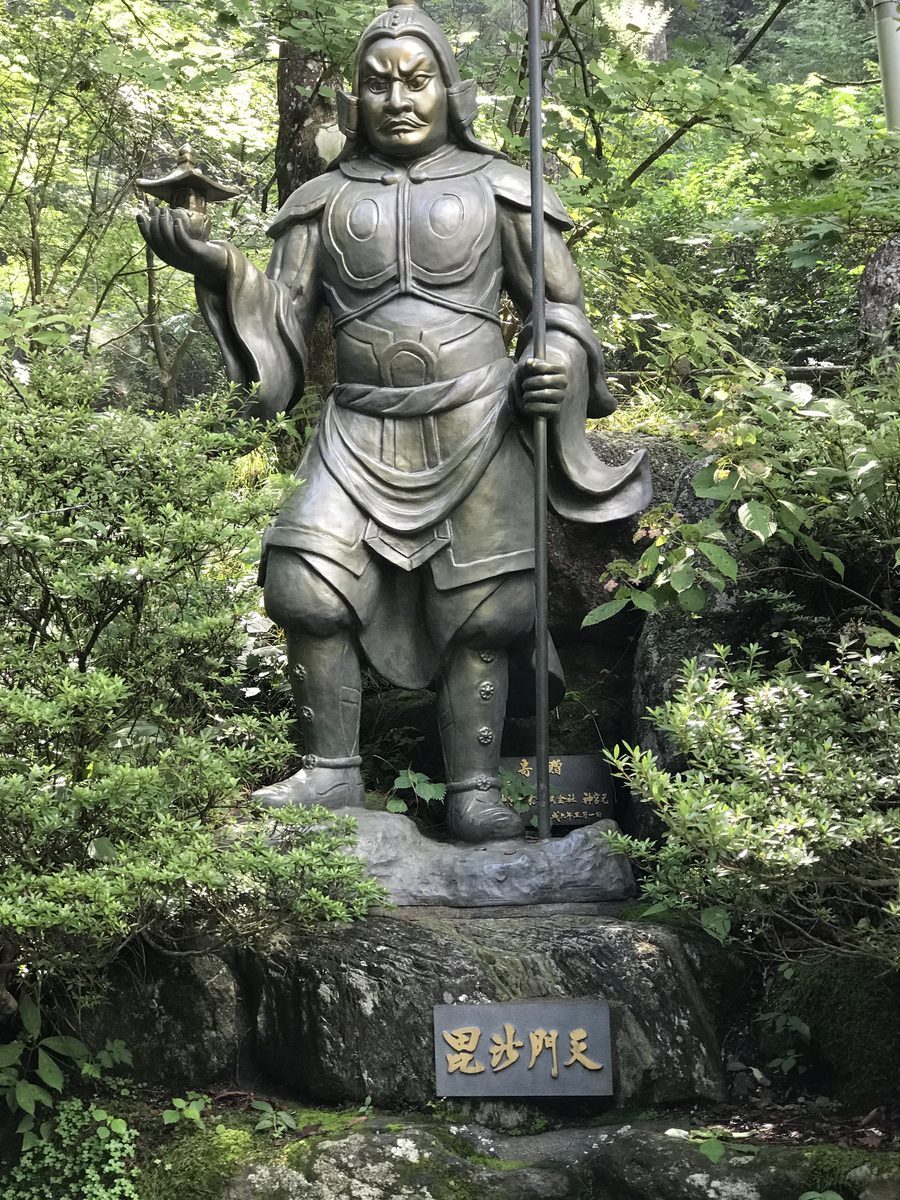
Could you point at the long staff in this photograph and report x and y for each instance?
(539, 350)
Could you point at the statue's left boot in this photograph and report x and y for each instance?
(471, 711)
(325, 680)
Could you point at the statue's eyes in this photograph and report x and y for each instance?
(376, 85)
(417, 82)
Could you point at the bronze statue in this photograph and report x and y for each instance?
(410, 541)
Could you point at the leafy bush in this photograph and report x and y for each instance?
(795, 478)
(125, 738)
(36, 1064)
(784, 824)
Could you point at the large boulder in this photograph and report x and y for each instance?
(341, 1013)
(344, 1014)
(871, 1182)
(410, 1163)
(579, 554)
(631, 1163)
(182, 1019)
(349, 1155)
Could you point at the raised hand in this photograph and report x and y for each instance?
(540, 387)
(181, 242)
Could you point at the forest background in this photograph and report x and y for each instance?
(730, 175)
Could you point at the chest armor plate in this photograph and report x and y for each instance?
(436, 239)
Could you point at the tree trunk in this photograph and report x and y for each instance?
(879, 300)
(302, 115)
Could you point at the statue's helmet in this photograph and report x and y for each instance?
(405, 18)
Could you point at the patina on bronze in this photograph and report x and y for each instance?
(410, 542)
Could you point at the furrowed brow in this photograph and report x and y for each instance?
(373, 66)
(422, 62)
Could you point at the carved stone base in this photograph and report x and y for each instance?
(417, 870)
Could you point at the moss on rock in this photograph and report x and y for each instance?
(829, 1166)
(853, 1014)
(199, 1164)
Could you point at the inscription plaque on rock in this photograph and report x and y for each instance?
(581, 786)
(547, 1047)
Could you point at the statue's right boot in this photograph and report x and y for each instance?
(325, 681)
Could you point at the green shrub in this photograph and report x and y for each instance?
(126, 740)
(784, 823)
(806, 489)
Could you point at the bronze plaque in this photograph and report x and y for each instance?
(548, 1047)
(581, 786)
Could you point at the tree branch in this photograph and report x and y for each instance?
(686, 126)
(585, 73)
(742, 55)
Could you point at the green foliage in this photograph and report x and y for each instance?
(276, 1121)
(94, 98)
(829, 1166)
(125, 738)
(35, 1065)
(785, 1029)
(724, 209)
(712, 1148)
(793, 474)
(421, 787)
(783, 825)
(714, 1142)
(87, 1155)
(516, 790)
(197, 1165)
(188, 1109)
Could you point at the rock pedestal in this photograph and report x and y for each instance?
(347, 1014)
(342, 1013)
(428, 1161)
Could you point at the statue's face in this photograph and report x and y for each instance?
(402, 98)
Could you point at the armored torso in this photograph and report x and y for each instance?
(410, 261)
(410, 264)
(390, 232)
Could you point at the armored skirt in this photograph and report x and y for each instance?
(409, 489)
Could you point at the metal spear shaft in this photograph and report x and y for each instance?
(539, 350)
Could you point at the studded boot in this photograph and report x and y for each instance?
(325, 681)
(471, 710)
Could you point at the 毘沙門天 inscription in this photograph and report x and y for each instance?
(527, 1048)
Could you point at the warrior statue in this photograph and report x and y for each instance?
(409, 541)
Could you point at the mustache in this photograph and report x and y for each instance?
(409, 119)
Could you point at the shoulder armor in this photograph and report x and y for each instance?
(309, 199)
(513, 184)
